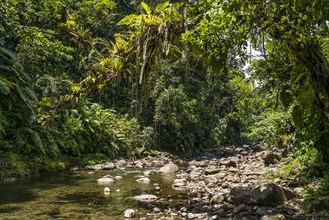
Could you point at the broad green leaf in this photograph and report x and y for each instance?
(285, 98)
(161, 6)
(306, 96)
(8, 53)
(146, 8)
(297, 116)
(128, 20)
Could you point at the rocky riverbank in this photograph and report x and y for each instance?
(225, 183)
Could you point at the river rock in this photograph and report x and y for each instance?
(144, 180)
(211, 179)
(121, 163)
(211, 169)
(265, 195)
(233, 170)
(129, 213)
(270, 157)
(234, 179)
(240, 208)
(271, 195)
(196, 173)
(190, 215)
(156, 210)
(263, 210)
(107, 191)
(219, 212)
(157, 163)
(105, 180)
(147, 172)
(94, 167)
(169, 168)
(179, 183)
(139, 165)
(217, 199)
(146, 198)
(273, 217)
(228, 162)
(108, 166)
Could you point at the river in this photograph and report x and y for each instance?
(76, 195)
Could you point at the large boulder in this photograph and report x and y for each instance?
(169, 168)
(265, 195)
(241, 195)
(271, 195)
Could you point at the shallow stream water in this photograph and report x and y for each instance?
(76, 195)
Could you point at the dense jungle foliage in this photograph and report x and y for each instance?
(83, 81)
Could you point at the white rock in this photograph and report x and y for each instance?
(169, 168)
(105, 181)
(107, 191)
(190, 215)
(146, 198)
(129, 213)
(144, 180)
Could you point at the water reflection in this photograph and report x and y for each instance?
(76, 195)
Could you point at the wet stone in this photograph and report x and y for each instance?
(129, 213)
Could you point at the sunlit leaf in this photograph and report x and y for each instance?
(161, 7)
(146, 8)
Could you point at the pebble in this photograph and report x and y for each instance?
(107, 191)
(156, 210)
(190, 215)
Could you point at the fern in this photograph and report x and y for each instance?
(36, 139)
(19, 137)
